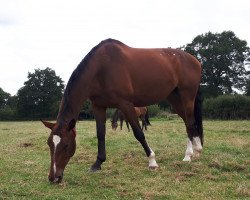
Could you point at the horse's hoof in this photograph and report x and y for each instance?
(95, 169)
(187, 159)
(155, 167)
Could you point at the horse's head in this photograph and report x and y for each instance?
(62, 146)
(114, 125)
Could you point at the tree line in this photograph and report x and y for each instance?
(223, 56)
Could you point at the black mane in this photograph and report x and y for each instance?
(80, 68)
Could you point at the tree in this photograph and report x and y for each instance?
(7, 112)
(39, 95)
(4, 96)
(222, 56)
(86, 111)
(248, 88)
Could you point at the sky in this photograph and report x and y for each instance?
(58, 33)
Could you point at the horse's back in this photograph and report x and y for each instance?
(145, 76)
(158, 65)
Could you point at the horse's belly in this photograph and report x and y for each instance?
(152, 92)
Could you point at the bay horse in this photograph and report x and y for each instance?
(118, 115)
(141, 112)
(115, 75)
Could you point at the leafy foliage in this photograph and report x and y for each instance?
(41, 94)
(86, 111)
(222, 56)
(4, 96)
(7, 106)
(248, 88)
(227, 107)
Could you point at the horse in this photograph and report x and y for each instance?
(141, 112)
(118, 115)
(115, 75)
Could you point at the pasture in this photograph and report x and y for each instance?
(222, 172)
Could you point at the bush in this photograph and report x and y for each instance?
(153, 110)
(7, 113)
(227, 107)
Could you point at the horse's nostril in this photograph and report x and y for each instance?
(58, 179)
(50, 179)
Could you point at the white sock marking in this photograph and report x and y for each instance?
(56, 141)
(152, 161)
(197, 144)
(189, 151)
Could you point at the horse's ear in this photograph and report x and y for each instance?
(48, 124)
(72, 124)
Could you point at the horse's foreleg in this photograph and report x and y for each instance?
(100, 117)
(129, 111)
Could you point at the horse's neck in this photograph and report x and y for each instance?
(67, 112)
(72, 102)
(78, 89)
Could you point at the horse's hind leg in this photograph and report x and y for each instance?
(194, 136)
(175, 100)
(129, 111)
(185, 111)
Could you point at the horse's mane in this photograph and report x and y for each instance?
(80, 69)
(83, 64)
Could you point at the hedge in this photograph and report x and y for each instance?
(227, 107)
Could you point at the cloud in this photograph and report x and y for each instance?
(59, 33)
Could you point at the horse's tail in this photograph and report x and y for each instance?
(198, 115)
(147, 118)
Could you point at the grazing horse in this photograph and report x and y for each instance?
(118, 115)
(115, 75)
(141, 112)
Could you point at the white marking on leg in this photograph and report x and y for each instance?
(189, 151)
(197, 146)
(152, 162)
(56, 141)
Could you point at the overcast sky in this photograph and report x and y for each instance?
(58, 34)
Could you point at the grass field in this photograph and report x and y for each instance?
(222, 172)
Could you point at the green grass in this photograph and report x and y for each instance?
(222, 172)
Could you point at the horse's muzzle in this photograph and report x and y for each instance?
(57, 179)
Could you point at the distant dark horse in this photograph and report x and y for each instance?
(141, 112)
(115, 75)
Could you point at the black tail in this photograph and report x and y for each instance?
(198, 115)
(147, 119)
